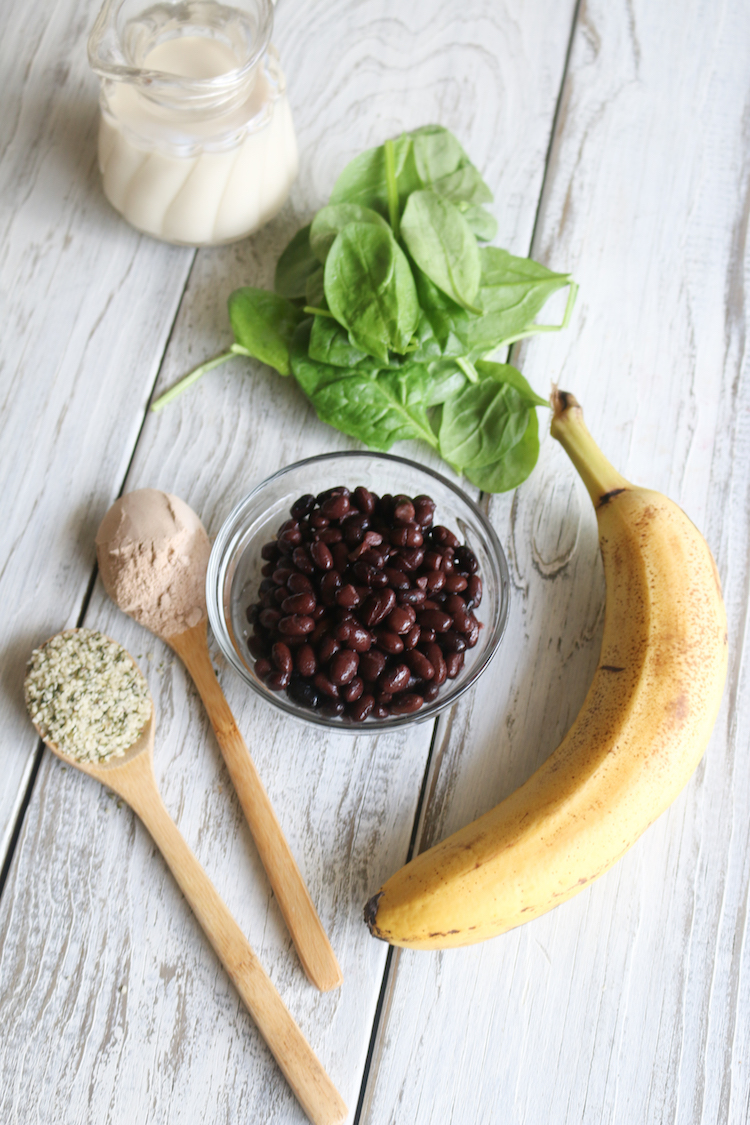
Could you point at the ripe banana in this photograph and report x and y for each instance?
(639, 736)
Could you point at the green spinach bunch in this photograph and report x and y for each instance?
(389, 305)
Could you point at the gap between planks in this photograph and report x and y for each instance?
(86, 600)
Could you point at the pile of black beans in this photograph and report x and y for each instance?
(365, 608)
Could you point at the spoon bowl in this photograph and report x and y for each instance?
(131, 776)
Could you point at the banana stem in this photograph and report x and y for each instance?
(568, 427)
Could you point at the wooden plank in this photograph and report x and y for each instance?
(114, 970)
(87, 308)
(629, 1003)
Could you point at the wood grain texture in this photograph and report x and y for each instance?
(98, 953)
(629, 1003)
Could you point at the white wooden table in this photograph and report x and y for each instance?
(616, 137)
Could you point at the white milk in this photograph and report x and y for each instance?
(192, 176)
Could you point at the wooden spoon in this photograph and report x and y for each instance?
(191, 645)
(310, 939)
(132, 778)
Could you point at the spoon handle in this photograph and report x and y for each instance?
(316, 1093)
(314, 949)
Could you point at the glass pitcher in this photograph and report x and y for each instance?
(196, 142)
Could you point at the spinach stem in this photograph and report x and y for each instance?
(312, 311)
(195, 374)
(392, 187)
(535, 328)
(468, 368)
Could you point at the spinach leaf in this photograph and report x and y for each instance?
(512, 291)
(329, 343)
(506, 373)
(332, 219)
(481, 223)
(364, 181)
(315, 293)
(370, 289)
(445, 380)
(295, 265)
(443, 165)
(512, 469)
(441, 243)
(443, 327)
(263, 324)
(377, 408)
(482, 423)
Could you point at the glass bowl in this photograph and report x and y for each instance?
(234, 568)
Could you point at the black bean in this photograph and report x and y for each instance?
(377, 607)
(298, 583)
(456, 583)
(302, 560)
(437, 660)
(419, 664)
(396, 679)
(406, 704)
(362, 708)
(258, 646)
(299, 603)
(424, 510)
(327, 648)
(348, 596)
(353, 690)
(411, 597)
(389, 642)
(324, 685)
(282, 657)
(330, 584)
(398, 579)
(343, 667)
(401, 619)
(321, 555)
(303, 506)
(277, 681)
(474, 593)
(365, 500)
(403, 510)
(306, 661)
(466, 560)
(451, 641)
(303, 692)
(434, 619)
(295, 625)
(371, 664)
(444, 537)
(354, 528)
(337, 490)
(436, 580)
(412, 638)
